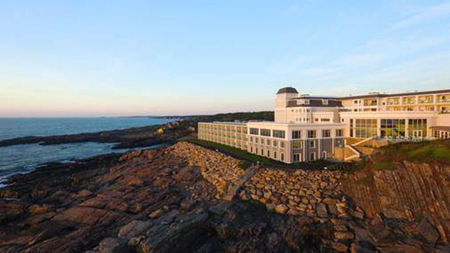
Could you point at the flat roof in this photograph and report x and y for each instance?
(397, 94)
(444, 128)
(224, 123)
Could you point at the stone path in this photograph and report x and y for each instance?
(233, 188)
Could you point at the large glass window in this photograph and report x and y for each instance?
(279, 134)
(417, 128)
(265, 132)
(326, 133)
(296, 134)
(365, 128)
(254, 131)
(392, 128)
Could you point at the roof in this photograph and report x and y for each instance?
(443, 128)
(287, 90)
(397, 94)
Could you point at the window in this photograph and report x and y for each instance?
(339, 132)
(296, 158)
(279, 134)
(282, 156)
(251, 139)
(365, 128)
(268, 142)
(281, 144)
(262, 151)
(296, 134)
(316, 120)
(251, 149)
(275, 143)
(254, 131)
(312, 156)
(417, 128)
(311, 134)
(325, 120)
(296, 144)
(325, 101)
(256, 150)
(324, 154)
(326, 133)
(355, 101)
(312, 144)
(392, 127)
(265, 132)
(275, 155)
(306, 101)
(268, 153)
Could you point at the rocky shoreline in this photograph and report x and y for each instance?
(124, 138)
(191, 199)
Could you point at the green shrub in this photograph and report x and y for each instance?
(244, 165)
(384, 165)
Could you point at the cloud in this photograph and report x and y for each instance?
(425, 14)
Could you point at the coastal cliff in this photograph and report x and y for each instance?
(188, 198)
(411, 191)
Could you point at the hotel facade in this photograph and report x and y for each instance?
(308, 128)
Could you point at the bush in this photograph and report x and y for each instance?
(244, 165)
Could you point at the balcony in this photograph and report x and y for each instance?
(425, 101)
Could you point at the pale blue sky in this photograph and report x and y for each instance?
(92, 58)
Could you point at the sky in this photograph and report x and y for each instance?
(119, 58)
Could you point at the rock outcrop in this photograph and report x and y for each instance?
(410, 191)
(191, 199)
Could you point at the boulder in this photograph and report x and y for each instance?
(112, 245)
(428, 231)
(134, 228)
(321, 210)
(155, 214)
(344, 235)
(281, 208)
(39, 209)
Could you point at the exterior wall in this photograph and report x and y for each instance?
(291, 146)
(431, 102)
(231, 134)
(348, 116)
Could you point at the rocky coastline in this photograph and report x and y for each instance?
(185, 198)
(123, 138)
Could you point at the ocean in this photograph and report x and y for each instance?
(24, 158)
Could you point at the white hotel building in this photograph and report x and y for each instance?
(308, 128)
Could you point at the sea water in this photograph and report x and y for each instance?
(24, 158)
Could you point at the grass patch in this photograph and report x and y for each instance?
(267, 162)
(384, 165)
(425, 152)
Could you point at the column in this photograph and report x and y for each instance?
(406, 128)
